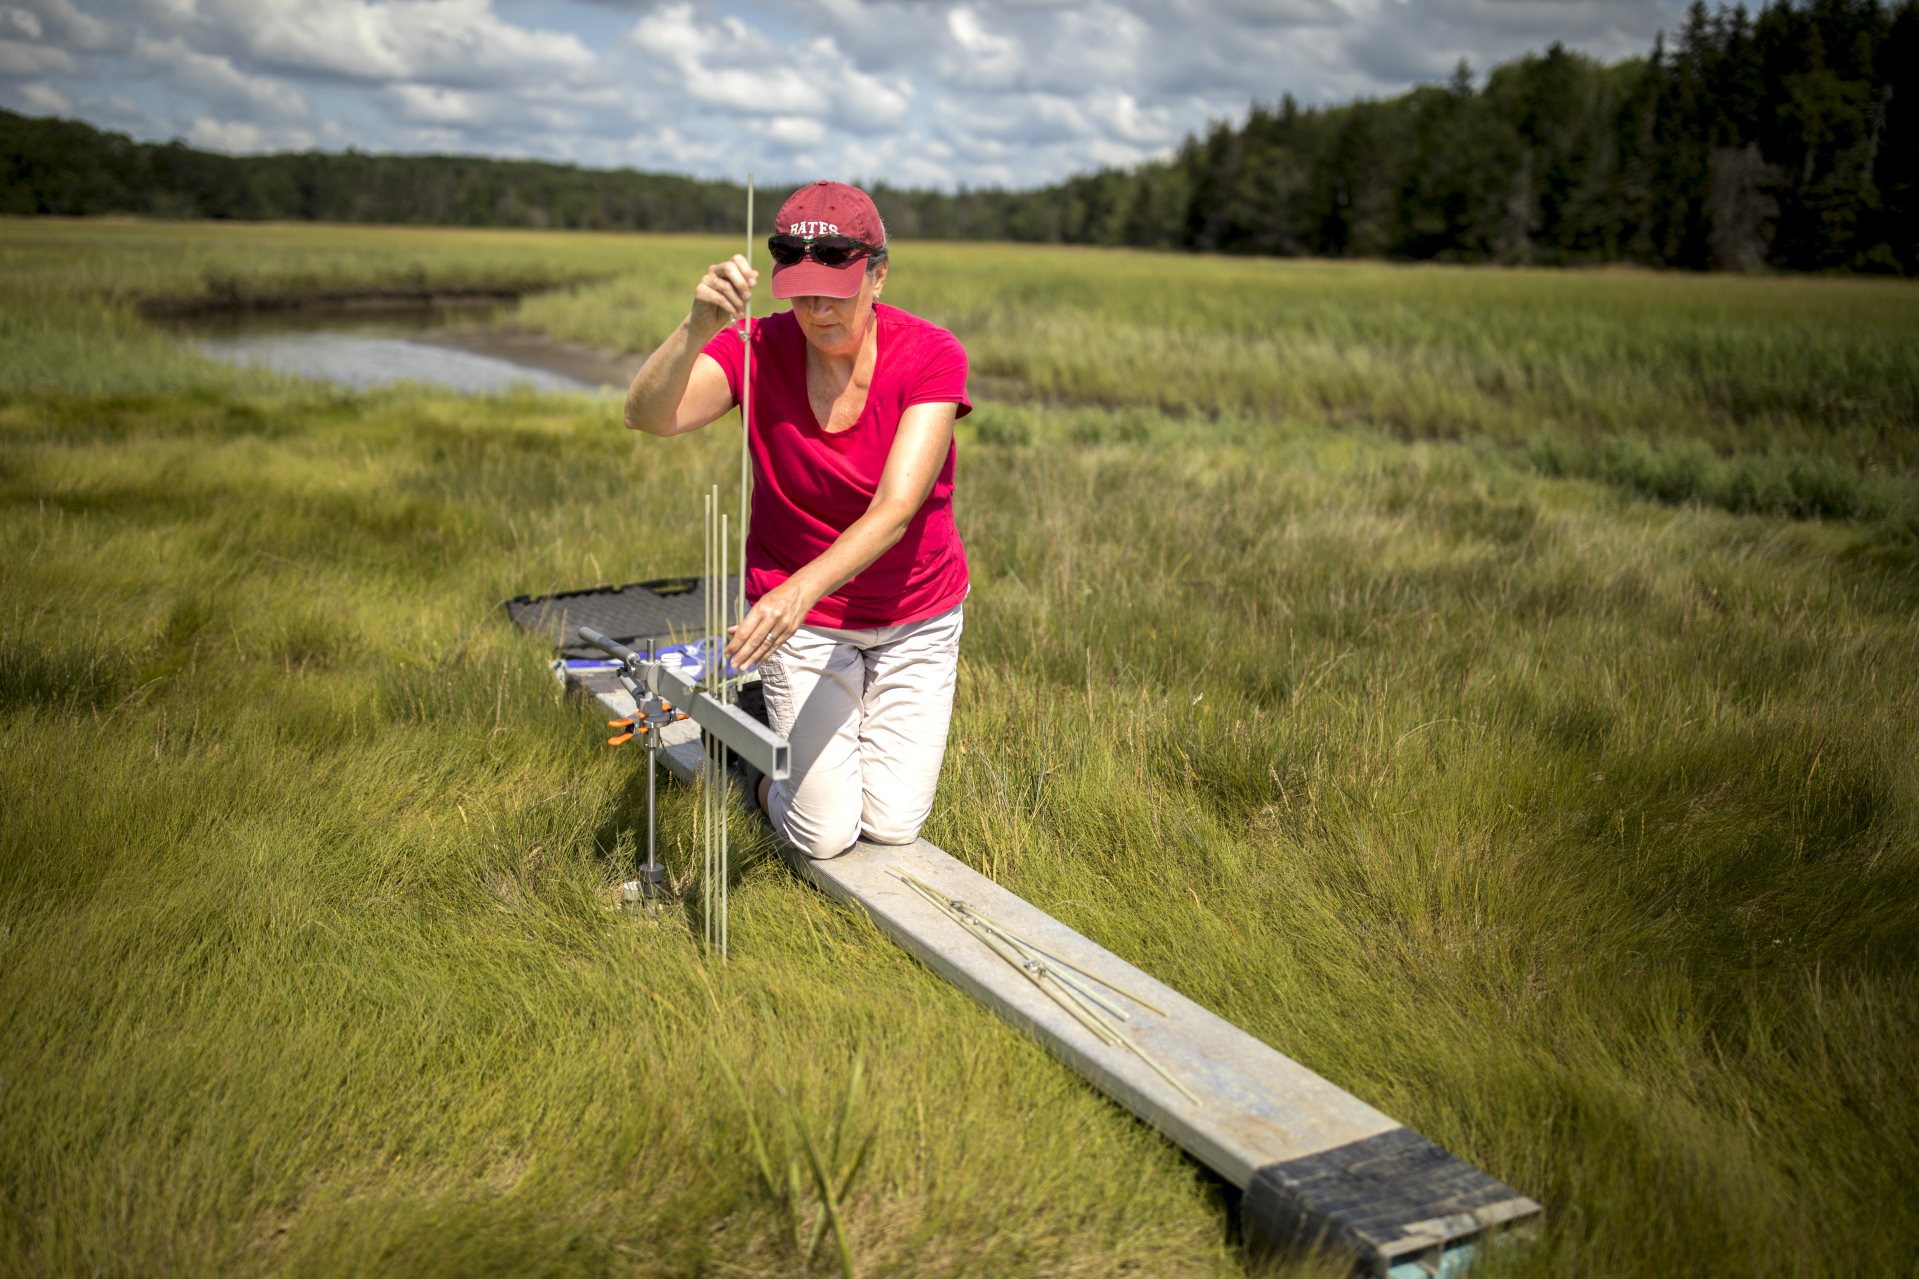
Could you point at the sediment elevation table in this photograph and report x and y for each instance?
(1320, 1167)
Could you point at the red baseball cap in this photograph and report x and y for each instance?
(826, 208)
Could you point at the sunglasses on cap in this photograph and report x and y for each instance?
(827, 250)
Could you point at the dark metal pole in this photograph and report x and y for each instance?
(650, 873)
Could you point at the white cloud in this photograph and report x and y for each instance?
(559, 122)
(796, 130)
(1033, 117)
(430, 104)
(226, 135)
(438, 141)
(993, 46)
(729, 66)
(46, 99)
(450, 42)
(1012, 92)
(987, 58)
(758, 92)
(21, 60)
(64, 22)
(1396, 41)
(240, 136)
(216, 80)
(668, 147)
(106, 111)
(1124, 118)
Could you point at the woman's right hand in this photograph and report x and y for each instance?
(721, 296)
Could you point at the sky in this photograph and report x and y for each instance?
(1015, 93)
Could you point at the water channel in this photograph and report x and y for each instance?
(436, 345)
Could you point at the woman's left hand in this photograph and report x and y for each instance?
(769, 623)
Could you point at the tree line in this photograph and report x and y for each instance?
(68, 168)
(1788, 138)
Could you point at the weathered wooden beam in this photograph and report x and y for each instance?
(1320, 1167)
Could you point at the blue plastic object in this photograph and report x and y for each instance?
(690, 660)
(1453, 1263)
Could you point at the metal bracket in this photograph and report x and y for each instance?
(751, 740)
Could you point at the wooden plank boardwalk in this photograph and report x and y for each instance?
(1319, 1166)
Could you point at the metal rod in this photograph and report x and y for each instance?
(746, 407)
(707, 590)
(706, 741)
(1098, 1029)
(1064, 994)
(1038, 949)
(1032, 953)
(1027, 943)
(1066, 977)
(707, 563)
(1030, 971)
(714, 751)
(649, 875)
(719, 749)
(707, 874)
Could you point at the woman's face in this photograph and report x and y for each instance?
(837, 326)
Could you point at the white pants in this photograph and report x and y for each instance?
(866, 713)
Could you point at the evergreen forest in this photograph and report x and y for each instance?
(1783, 139)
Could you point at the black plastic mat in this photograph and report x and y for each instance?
(669, 609)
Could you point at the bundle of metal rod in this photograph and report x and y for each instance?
(715, 841)
(721, 685)
(1065, 983)
(722, 810)
(705, 819)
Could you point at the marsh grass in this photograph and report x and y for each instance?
(1796, 397)
(1572, 825)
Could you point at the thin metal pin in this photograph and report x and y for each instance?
(712, 767)
(652, 813)
(720, 792)
(706, 774)
(714, 676)
(1061, 962)
(746, 406)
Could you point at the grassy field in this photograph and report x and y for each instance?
(1495, 689)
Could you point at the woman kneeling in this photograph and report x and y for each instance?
(854, 568)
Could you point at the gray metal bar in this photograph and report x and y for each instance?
(751, 740)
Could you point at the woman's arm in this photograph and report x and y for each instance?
(920, 446)
(676, 391)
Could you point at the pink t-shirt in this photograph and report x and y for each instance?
(809, 486)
